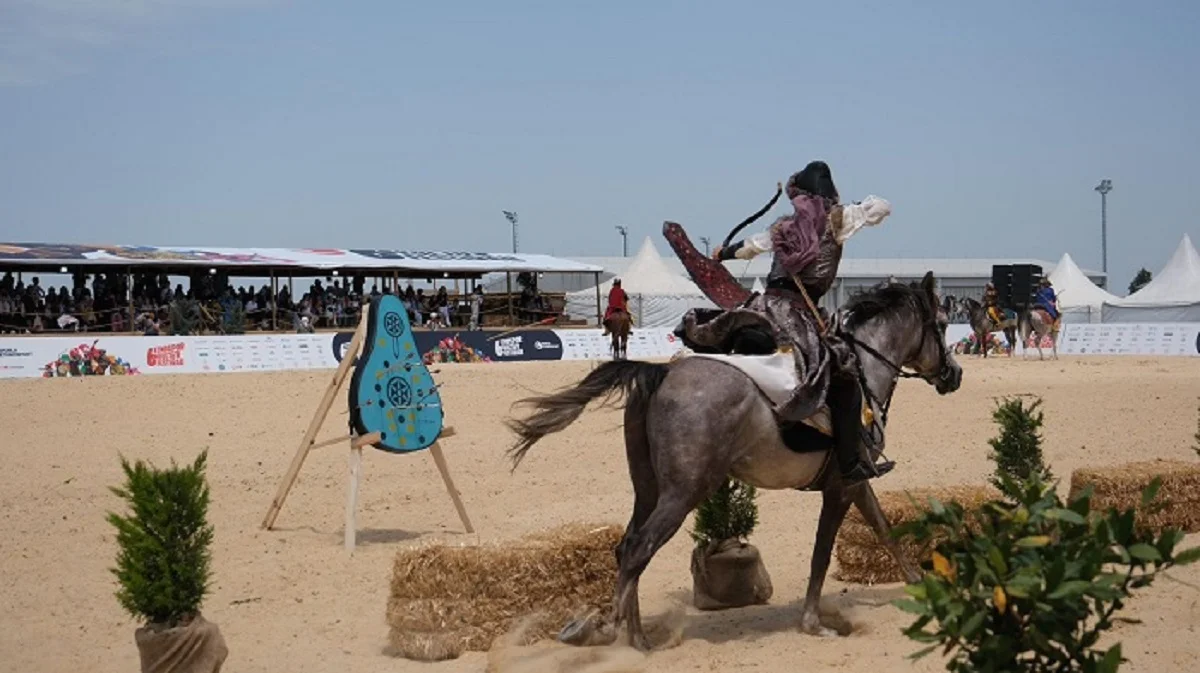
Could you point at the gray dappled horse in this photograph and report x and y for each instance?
(1039, 323)
(692, 423)
(983, 326)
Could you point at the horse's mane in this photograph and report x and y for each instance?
(884, 299)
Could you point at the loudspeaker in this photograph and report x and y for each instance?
(1025, 278)
(1002, 280)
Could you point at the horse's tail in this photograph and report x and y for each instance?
(636, 381)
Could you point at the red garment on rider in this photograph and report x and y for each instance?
(617, 301)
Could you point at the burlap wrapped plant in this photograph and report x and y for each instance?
(727, 571)
(163, 567)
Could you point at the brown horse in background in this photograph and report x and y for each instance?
(619, 325)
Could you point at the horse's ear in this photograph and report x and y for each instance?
(930, 286)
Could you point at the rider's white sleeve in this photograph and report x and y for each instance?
(754, 246)
(870, 212)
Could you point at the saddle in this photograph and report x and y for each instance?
(753, 350)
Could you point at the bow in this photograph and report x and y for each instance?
(762, 211)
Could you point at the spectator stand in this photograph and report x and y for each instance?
(128, 289)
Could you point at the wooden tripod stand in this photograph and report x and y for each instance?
(356, 443)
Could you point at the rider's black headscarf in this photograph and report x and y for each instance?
(815, 179)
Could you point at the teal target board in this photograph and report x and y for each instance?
(392, 391)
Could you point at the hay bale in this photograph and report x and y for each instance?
(1120, 486)
(447, 599)
(863, 559)
(424, 646)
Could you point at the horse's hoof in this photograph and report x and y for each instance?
(587, 633)
(811, 624)
(576, 632)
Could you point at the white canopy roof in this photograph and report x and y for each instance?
(658, 297)
(758, 286)
(1178, 284)
(1074, 289)
(649, 275)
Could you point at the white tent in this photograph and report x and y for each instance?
(1173, 295)
(657, 296)
(1079, 299)
(758, 286)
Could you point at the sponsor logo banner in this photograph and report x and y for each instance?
(1177, 339)
(90, 355)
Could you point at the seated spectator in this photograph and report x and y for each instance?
(67, 321)
(7, 321)
(441, 305)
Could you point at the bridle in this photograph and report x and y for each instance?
(928, 325)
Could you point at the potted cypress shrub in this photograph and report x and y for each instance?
(1017, 450)
(163, 566)
(727, 571)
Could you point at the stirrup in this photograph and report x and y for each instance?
(865, 471)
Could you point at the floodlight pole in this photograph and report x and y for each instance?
(1104, 188)
(706, 241)
(511, 216)
(624, 231)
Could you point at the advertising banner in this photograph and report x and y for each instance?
(1130, 339)
(91, 355)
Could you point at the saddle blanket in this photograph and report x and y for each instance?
(775, 377)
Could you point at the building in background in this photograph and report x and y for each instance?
(958, 277)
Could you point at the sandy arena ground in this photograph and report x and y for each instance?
(292, 600)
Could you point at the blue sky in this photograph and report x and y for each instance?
(412, 125)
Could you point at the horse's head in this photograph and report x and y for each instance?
(904, 327)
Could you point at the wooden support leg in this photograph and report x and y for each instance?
(440, 460)
(314, 426)
(351, 531)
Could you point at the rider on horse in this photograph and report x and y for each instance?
(1047, 300)
(618, 301)
(807, 249)
(991, 303)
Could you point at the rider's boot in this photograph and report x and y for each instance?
(853, 457)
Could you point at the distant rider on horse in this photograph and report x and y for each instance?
(1047, 300)
(618, 302)
(991, 303)
(807, 249)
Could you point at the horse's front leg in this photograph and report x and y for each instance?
(835, 502)
(867, 503)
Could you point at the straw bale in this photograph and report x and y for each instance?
(447, 599)
(1120, 486)
(863, 559)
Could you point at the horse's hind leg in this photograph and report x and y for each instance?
(834, 505)
(645, 497)
(662, 524)
(867, 503)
